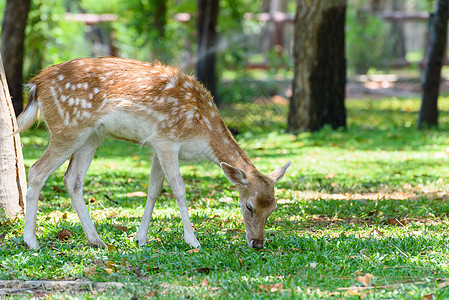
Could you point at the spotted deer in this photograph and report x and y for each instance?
(83, 101)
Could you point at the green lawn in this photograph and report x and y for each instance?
(362, 213)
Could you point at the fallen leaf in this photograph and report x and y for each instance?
(196, 250)
(109, 271)
(64, 235)
(313, 265)
(167, 229)
(366, 279)
(111, 248)
(428, 297)
(271, 287)
(92, 199)
(120, 227)
(137, 271)
(353, 292)
(64, 216)
(205, 283)
(110, 264)
(240, 262)
(136, 194)
(90, 270)
(152, 294)
(393, 222)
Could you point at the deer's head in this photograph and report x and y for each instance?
(256, 198)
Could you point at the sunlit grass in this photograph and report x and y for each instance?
(372, 198)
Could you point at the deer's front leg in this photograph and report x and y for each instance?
(170, 164)
(154, 189)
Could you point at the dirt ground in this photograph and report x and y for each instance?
(381, 86)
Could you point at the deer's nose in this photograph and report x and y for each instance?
(257, 244)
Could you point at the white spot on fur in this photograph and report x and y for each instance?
(171, 83)
(96, 90)
(60, 77)
(79, 85)
(86, 85)
(63, 98)
(71, 101)
(207, 123)
(91, 96)
(190, 114)
(85, 114)
(83, 103)
(68, 85)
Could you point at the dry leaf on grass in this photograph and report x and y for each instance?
(205, 283)
(365, 279)
(271, 287)
(120, 227)
(428, 297)
(240, 262)
(111, 248)
(136, 194)
(109, 271)
(64, 235)
(196, 250)
(90, 270)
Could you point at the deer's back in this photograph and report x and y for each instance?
(125, 99)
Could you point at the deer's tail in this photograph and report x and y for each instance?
(26, 119)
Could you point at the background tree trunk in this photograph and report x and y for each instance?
(320, 66)
(207, 40)
(12, 169)
(428, 115)
(13, 35)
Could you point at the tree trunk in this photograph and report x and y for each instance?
(12, 170)
(13, 35)
(428, 115)
(160, 22)
(207, 40)
(320, 66)
(398, 34)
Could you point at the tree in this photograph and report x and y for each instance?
(13, 35)
(207, 40)
(320, 66)
(12, 170)
(428, 115)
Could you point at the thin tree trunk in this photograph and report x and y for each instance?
(428, 115)
(13, 35)
(207, 40)
(320, 66)
(12, 169)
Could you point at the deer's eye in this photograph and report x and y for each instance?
(250, 208)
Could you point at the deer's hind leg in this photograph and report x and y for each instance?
(57, 152)
(74, 182)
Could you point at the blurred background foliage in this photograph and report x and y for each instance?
(52, 37)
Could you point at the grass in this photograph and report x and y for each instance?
(362, 213)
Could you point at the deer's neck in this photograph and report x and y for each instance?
(226, 149)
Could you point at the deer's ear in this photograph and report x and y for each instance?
(234, 174)
(277, 174)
